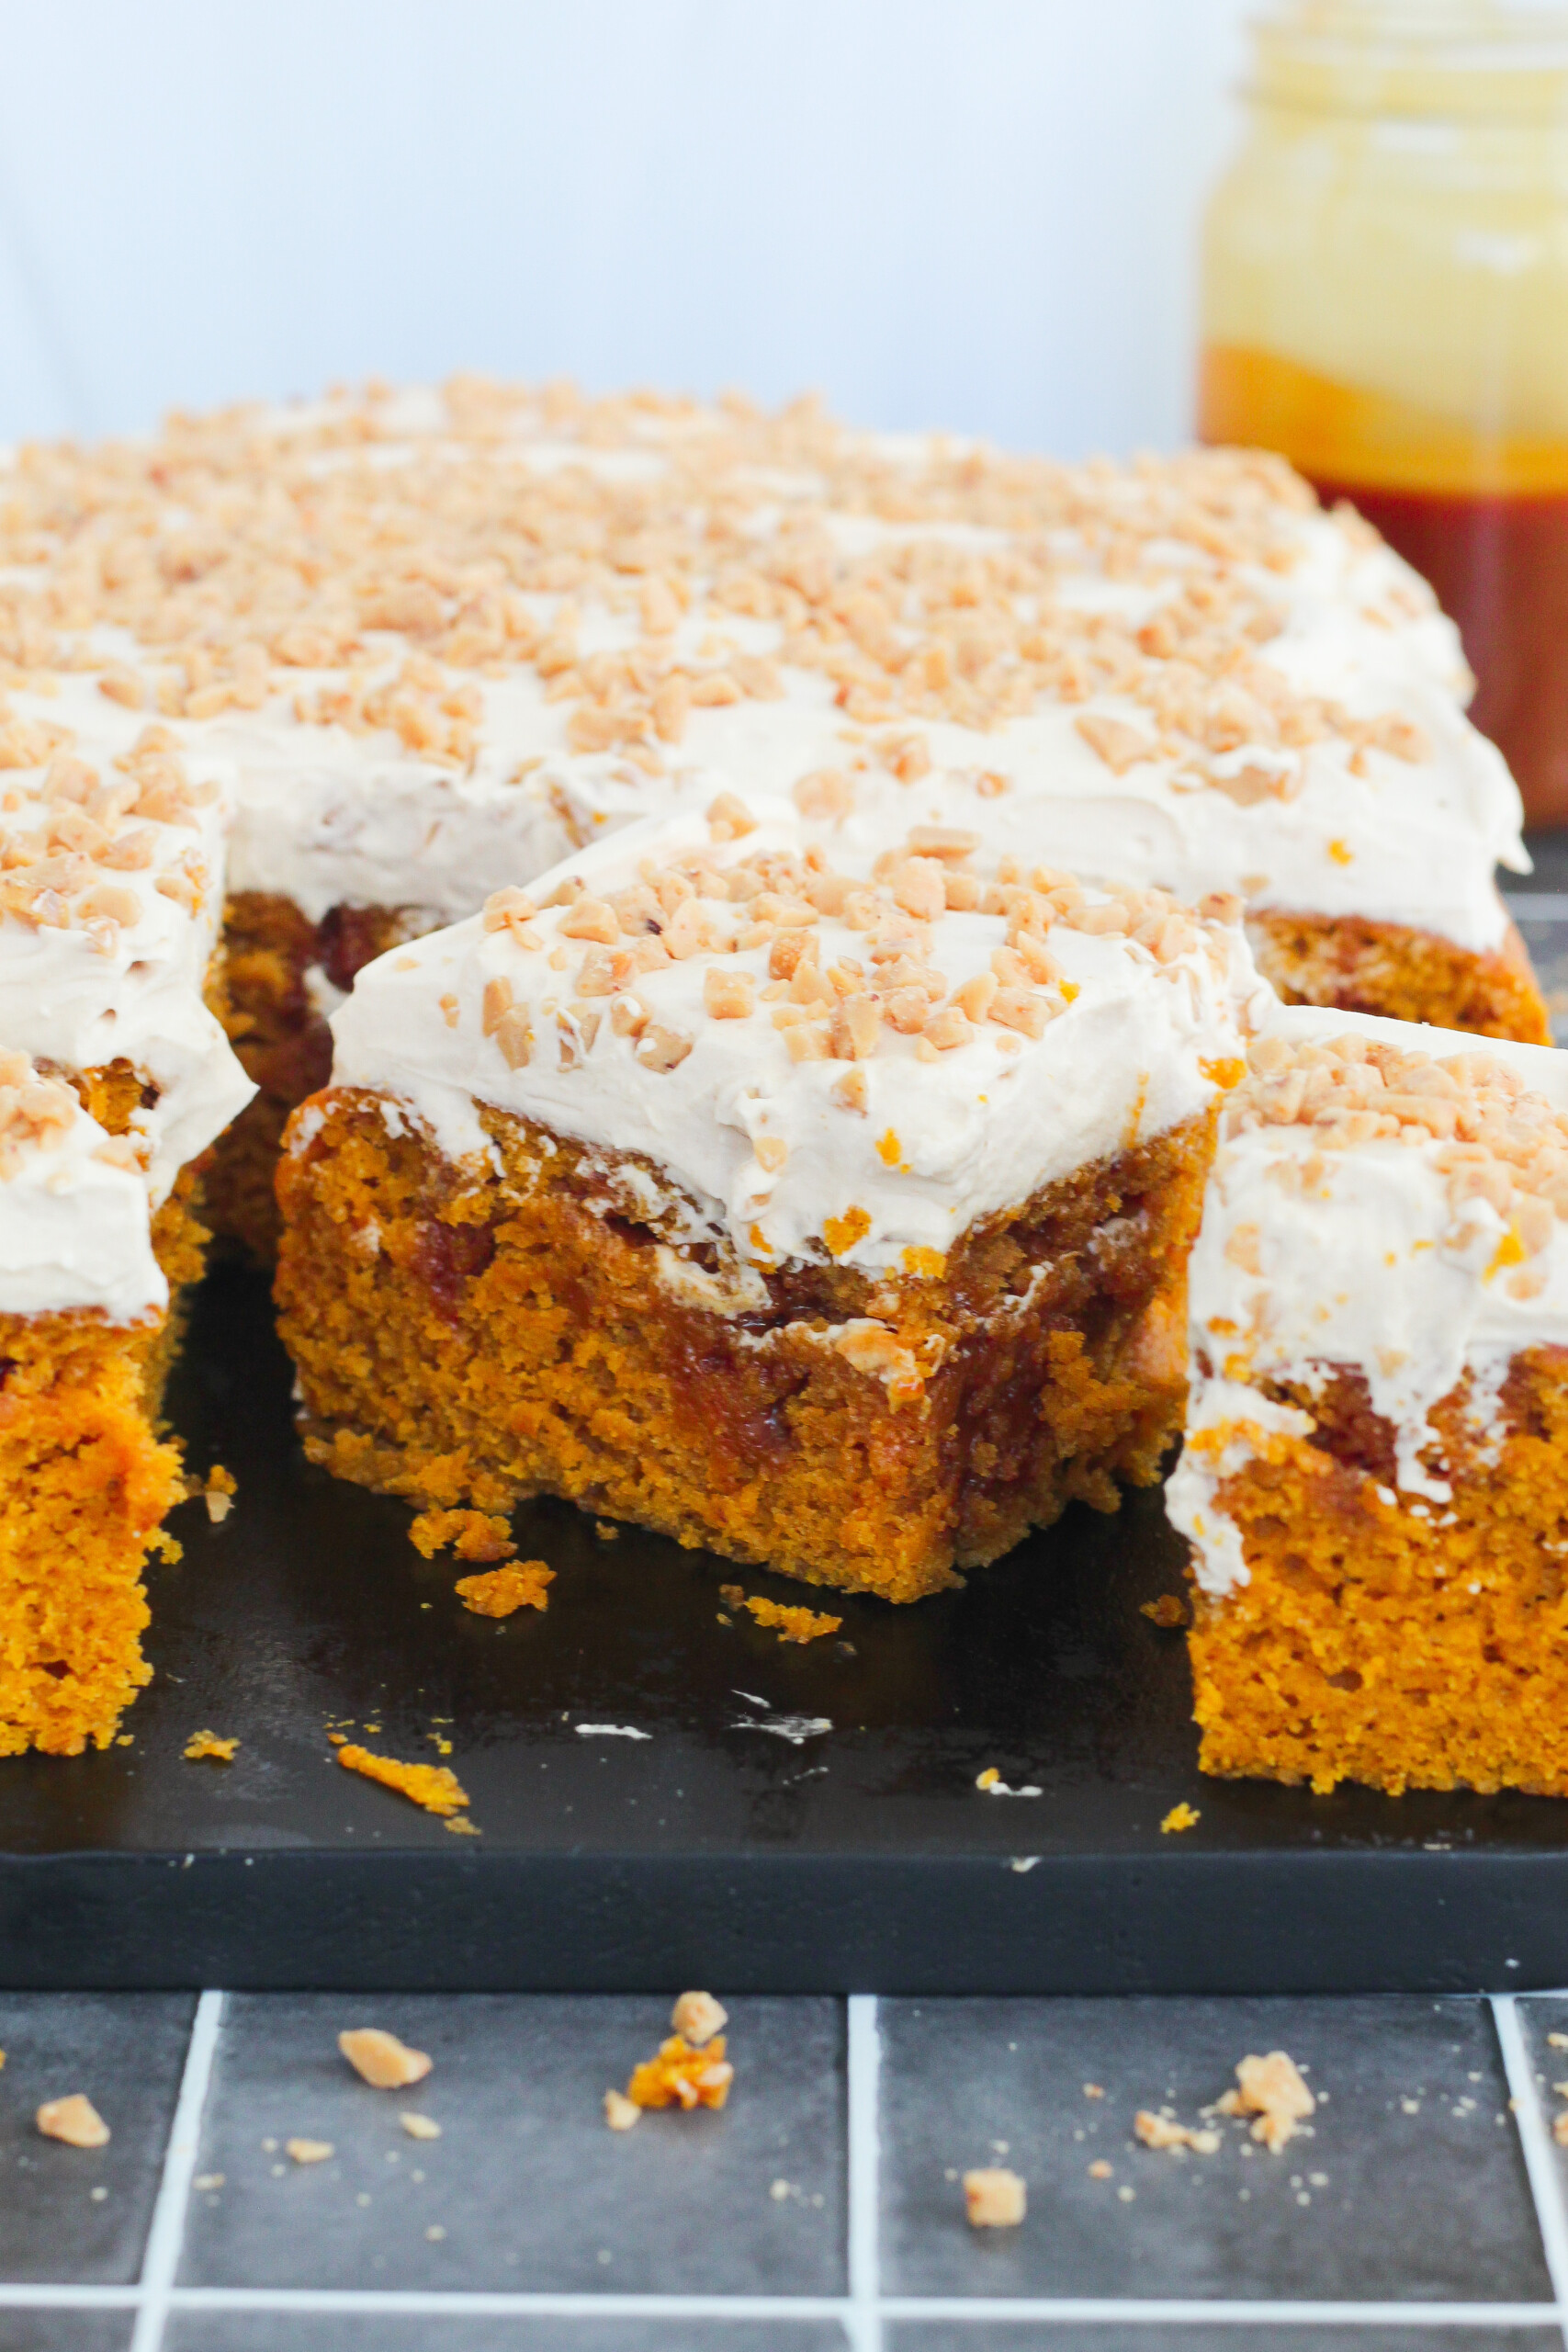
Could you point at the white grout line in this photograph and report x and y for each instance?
(161, 2261)
(17, 2297)
(1112, 2310)
(864, 2066)
(1537, 906)
(1540, 2164)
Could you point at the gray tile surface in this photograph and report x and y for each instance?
(1419, 2195)
(527, 2332)
(65, 2331)
(526, 2189)
(925, 2336)
(125, 2051)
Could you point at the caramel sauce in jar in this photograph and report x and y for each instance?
(1385, 302)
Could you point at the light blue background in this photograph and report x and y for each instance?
(976, 213)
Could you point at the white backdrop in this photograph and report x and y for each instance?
(978, 213)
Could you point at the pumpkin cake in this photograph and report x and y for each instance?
(444, 636)
(1375, 1478)
(115, 1077)
(836, 1224)
(84, 1480)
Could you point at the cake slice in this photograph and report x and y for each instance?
(1375, 1476)
(837, 1224)
(85, 1479)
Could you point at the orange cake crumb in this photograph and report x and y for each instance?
(995, 2198)
(1270, 2088)
(310, 2151)
(682, 2077)
(74, 2119)
(1181, 1817)
(698, 2016)
(790, 1624)
(379, 2059)
(502, 1590)
(474, 1534)
(218, 1493)
(1169, 1610)
(435, 1786)
(1160, 2132)
(208, 1744)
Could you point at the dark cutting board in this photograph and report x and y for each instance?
(718, 1850)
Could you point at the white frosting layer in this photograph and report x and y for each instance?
(79, 993)
(1364, 1264)
(74, 1228)
(328, 815)
(777, 1164)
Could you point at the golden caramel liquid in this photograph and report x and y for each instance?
(1484, 518)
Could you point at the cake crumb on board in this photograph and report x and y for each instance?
(791, 1624)
(1181, 1817)
(1270, 2088)
(379, 2059)
(218, 1493)
(995, 2198)
(698, 2016)
(1160, 2132)
(73, 2120)
(308, 2151)
(472, 1534)
(620, 2112)
(418, 2126)
(1101, 2170)
(502, 1590)
(206, 1743)
(682, 2077)
(1559, 2129)
(435, 1786)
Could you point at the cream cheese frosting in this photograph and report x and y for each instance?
(1414, 1243)
(441, 634)
(74, 1209)
(111, 861)
(803, 1062)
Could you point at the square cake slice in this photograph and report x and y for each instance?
(85, 1479)
(834, 1222)
(1375, 1478)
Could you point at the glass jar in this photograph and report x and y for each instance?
(1385, 301)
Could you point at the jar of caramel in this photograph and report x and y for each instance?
(1385, 301)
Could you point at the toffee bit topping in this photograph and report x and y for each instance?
(375, 574)
(827, 1003)
(35, 1113)
(379, 2059)
(995, 2198)
(1491, 1139)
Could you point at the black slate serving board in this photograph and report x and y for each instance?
(736, 1843)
